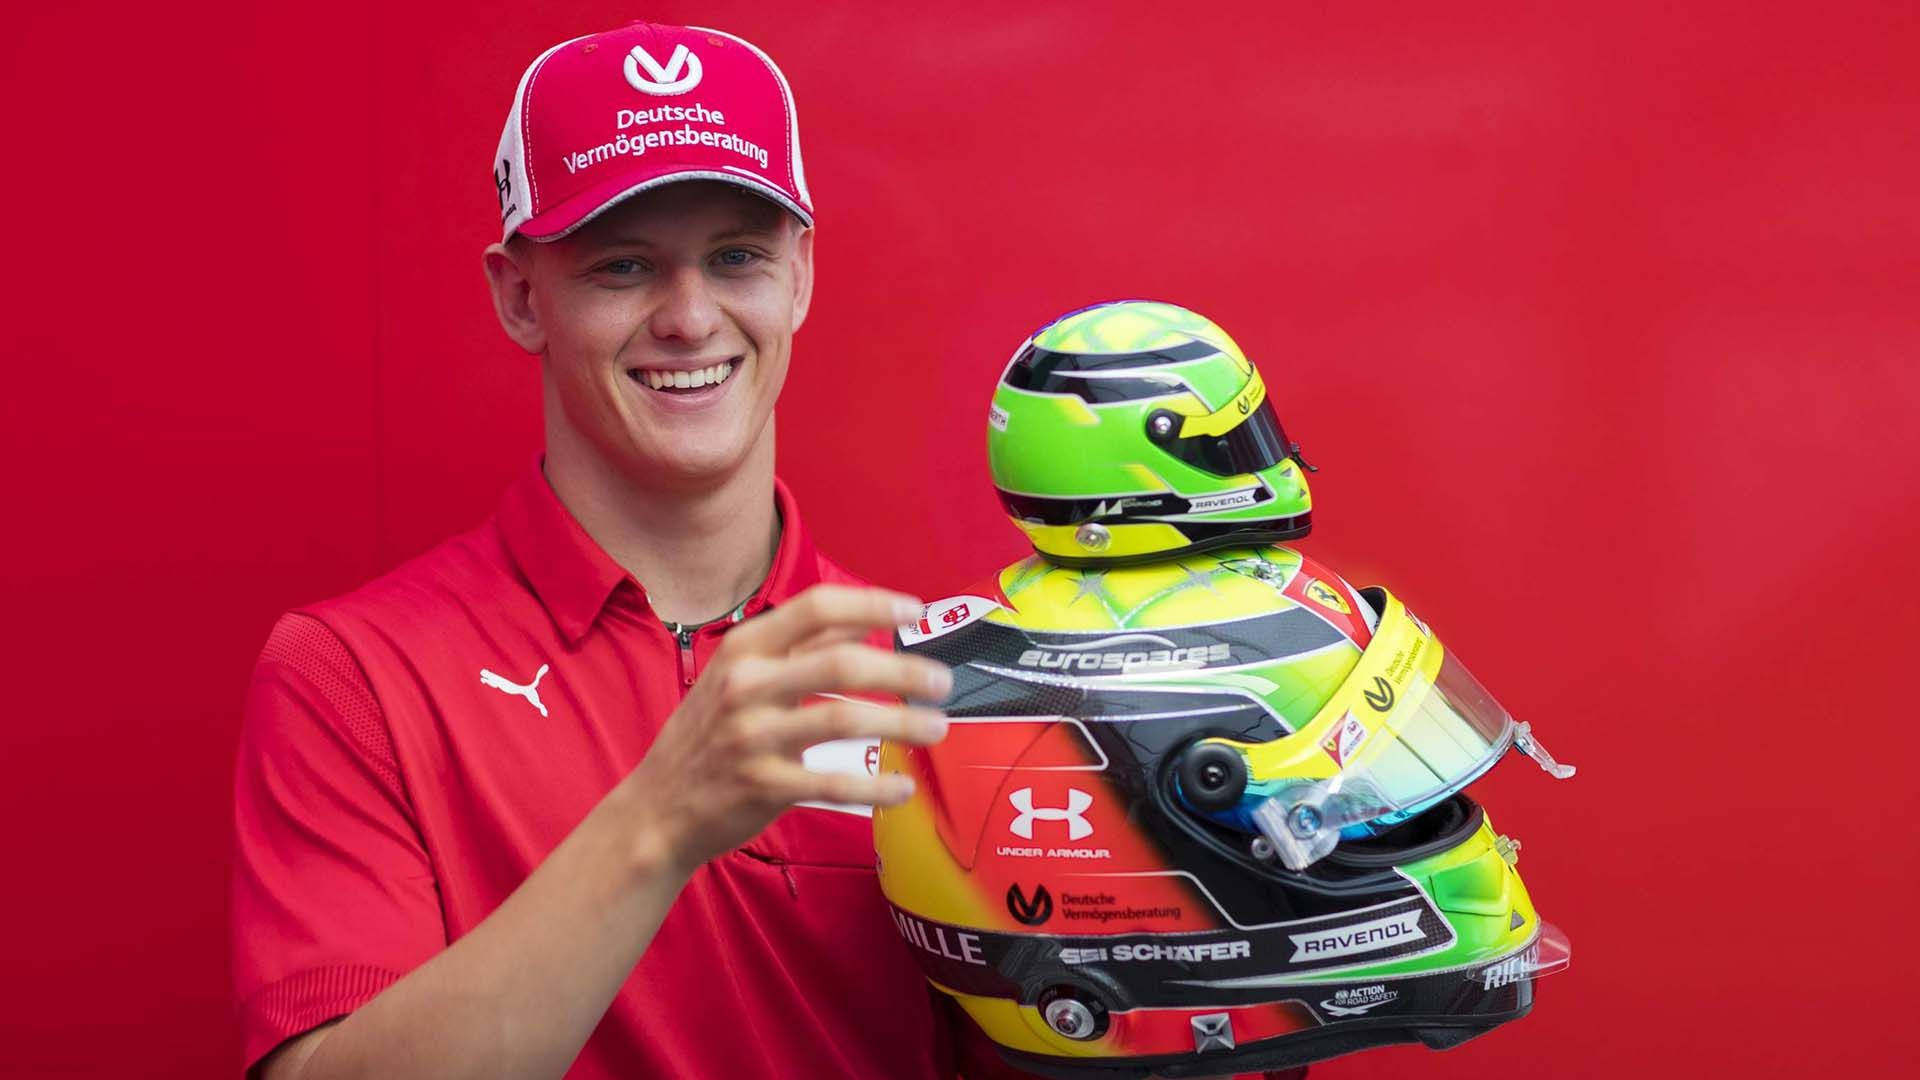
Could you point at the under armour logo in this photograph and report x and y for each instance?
(530, 691)
(663, 81)
(1078, 827)
(503, 180)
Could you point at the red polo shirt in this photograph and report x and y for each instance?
(411, 751)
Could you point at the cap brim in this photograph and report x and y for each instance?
(558, 221)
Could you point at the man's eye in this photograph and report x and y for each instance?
(735, 257)
(624, 266)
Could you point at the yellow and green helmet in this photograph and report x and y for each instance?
(1134, 430)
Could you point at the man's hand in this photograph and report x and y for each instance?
(728, 760)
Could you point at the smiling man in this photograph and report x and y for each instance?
(538, 802)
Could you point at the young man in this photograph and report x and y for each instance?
(535, 803)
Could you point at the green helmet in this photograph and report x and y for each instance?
(1133, 430)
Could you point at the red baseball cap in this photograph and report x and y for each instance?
(610, 115)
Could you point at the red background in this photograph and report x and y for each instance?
(1601, 325)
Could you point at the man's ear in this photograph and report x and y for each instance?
(509, 276)
(802, 275)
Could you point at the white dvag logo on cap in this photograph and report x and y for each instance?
(663, 81)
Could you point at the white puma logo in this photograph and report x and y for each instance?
(531, 691)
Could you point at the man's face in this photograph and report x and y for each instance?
(668, 324)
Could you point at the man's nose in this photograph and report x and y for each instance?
(687, 311)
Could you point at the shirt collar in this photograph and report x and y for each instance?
(573, 576)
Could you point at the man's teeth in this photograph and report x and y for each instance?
(687, 380)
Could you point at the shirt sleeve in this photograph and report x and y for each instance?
(334, 897)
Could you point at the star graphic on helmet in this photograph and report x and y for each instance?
(1191, 578)
(1026, 572)
(1259, 570)
(1091, 583)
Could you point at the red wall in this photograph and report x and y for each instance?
(1602, 326)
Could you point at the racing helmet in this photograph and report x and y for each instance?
(1135, 429)
(1205, 816)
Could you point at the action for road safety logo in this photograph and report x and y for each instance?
(1358, 1001)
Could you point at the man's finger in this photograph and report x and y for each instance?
(852, 668)
(823, 607)
(793, 730)
(796, 784)
(834, 636)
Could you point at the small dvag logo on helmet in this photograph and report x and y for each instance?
(1381, 696)
(1029, 912)
(680, 74)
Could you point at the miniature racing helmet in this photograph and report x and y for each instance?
(1134, 429)
(1205, 816)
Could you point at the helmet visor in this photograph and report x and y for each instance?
(1254, 444)
(1410, 727)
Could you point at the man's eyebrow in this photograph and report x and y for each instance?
(601, 242)
(631, 240)
(739, 231)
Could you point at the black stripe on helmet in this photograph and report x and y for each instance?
(1045, 371)
(1043, 510)
(1201, 536)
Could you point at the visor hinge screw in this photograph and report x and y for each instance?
(1304, 821)
(1093, 537)
(1070, 1018)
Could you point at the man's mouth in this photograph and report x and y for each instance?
(676, 381)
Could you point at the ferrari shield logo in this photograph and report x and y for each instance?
(1327, 597)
